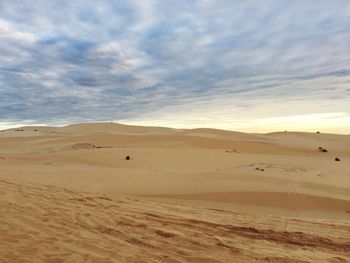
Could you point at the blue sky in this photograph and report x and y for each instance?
(239, 65)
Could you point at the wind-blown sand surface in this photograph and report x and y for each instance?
(203, 195)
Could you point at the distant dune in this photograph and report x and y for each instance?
(186, 195)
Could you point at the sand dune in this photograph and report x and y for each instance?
(200, 190)
(271, 199)
(49, 224)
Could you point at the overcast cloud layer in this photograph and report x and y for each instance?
(241, 65)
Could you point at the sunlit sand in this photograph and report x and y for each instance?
(202, 195)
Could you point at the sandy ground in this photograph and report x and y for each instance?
(68, 195)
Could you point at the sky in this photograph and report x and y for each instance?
(253, 66)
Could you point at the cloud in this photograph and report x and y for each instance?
(65, 61)
(9, 31)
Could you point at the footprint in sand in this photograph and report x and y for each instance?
(139, 243)
(165, 234)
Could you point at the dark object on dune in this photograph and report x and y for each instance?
(318, 132)
(323, 150)
(232, 151)
(127, 157)
(35, 130)
(337, 159)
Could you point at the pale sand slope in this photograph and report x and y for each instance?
(200, 164)
(200, 167)
(50, 224)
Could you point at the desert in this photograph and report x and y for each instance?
(161, 131)
(68, 194)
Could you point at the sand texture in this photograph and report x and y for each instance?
(202, 195)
